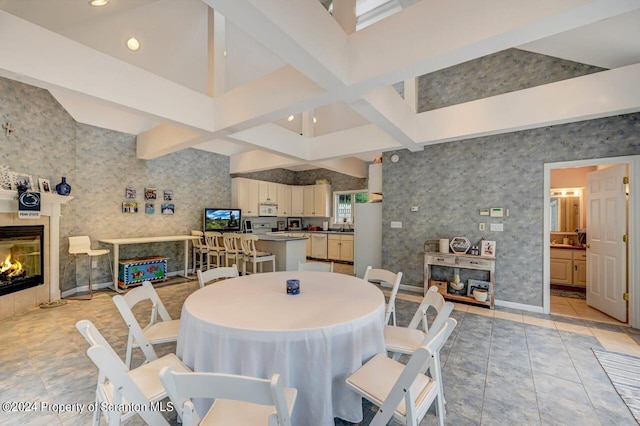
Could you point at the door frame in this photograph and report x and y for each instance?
(633, 246)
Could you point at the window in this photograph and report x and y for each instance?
(344, 203)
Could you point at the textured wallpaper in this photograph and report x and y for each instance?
(99, 164)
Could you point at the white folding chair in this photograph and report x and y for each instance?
(253, 255)
(120, 387)
(81, 245)
(315, 266)
(404, 392)
(405, 340)
(216, 249)
(239, 400)
(391, 279)
(200, 250)
(156, 331)
(216, 273)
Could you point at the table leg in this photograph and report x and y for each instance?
(116, 264)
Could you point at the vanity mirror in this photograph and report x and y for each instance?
(566, 209)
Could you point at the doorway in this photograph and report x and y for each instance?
(633, 214)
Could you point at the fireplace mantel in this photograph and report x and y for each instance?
(50, 206)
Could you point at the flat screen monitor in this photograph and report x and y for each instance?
(222, 219)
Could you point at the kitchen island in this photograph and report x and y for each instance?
(289, 251)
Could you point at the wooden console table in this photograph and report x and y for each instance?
(465, 261)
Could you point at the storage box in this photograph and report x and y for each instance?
(138, 270)
(441, 284)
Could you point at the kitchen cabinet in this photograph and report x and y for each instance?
(319, 246)
(464, 261)
(317, 201)
(297, 201)
(245, 195)
(568, 267)
(284, 200)
(268, 192)
(340, 247)
(309, 200)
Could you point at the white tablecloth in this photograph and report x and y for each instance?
(249, 325)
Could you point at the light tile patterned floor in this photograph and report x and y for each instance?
(501, 367)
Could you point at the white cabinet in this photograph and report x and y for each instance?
(245, 195)
(309, 200)
(319, 246)
(284, 200)
(340, 247)
(317, 201)
(268, 192)
(568, 267)
(297, 200)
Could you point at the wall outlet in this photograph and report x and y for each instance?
(396, 224)
(499, 227)
(94, 264)
(482, 226)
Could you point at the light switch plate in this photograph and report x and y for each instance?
(499, 227)
(396, 224)
(484, 212)
(497, 212)
(414, 208)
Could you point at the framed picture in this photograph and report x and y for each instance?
(149, 208)
(488, 248)
(130, 193)
(281, 225)
(168, 195)
(129, 207)
(22, 180)
(167, 208)
(294, 223)
(150, 194)
(473, 284)
(45, 185)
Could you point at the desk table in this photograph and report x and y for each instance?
(117, 242)
(314, 340)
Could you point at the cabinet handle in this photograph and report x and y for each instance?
(575, 267)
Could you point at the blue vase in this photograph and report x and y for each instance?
(63, 188)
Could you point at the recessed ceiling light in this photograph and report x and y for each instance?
(133, 44)
(291, 117)
(98, 2)
(314, 120)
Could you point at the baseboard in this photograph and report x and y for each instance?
(519, 306)
(100, 286)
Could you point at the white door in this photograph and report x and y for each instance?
(606, 252)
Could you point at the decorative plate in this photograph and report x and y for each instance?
(459, 245)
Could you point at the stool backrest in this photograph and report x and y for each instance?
(79, 245)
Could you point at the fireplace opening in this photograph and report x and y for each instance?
(21, 257)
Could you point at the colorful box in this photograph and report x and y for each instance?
(138, 270)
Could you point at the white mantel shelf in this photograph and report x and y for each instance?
(50, 206)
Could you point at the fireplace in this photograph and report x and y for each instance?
(21, 257)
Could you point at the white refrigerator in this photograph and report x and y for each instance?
(367, 237)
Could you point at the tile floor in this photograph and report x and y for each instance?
(502, 367)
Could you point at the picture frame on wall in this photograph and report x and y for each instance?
(281, 225)
(150, 194)
(130, 193)
(168, 195)
(149, 208)
(21, 180)
(294, 223)
(45, 185)
(129, 207)
(168, 208)
(488, 248)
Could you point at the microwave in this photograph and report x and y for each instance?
(267, 210)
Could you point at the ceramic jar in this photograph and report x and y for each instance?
(63, 188)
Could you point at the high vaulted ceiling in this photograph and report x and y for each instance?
(227, 81)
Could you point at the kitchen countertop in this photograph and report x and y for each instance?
(305, 231)
(567, 246)
(276, 237)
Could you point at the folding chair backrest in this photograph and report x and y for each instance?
(216, 273)
(391, 278)
(443, 308)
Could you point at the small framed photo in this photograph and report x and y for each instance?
(149, 208)
(130, 193)
(129, 207)
(488, 248)
(168, 208)
(150, 194)
(168, 195)
(281, 225)
(22, 181)
(294, 223)
(45, 185)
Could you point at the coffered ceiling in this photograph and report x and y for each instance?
(229, 81)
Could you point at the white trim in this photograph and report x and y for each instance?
(412, 288)
(519, 306)
(109, 285)
(633, 162)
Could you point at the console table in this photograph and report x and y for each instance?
(465, 261)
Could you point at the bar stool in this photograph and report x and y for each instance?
(82, 246)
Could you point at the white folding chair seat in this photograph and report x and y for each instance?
(200, 250)
(254, 256)
(117, 385)
(404, 392)
(157, 331)
(315, 266)
(216, 248)
(391, 279)
(239, 400)
(209, 275)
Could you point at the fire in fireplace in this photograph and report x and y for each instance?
(21, 257)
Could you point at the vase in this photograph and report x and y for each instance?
(63, 188)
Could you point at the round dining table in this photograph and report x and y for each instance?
(315, 339)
